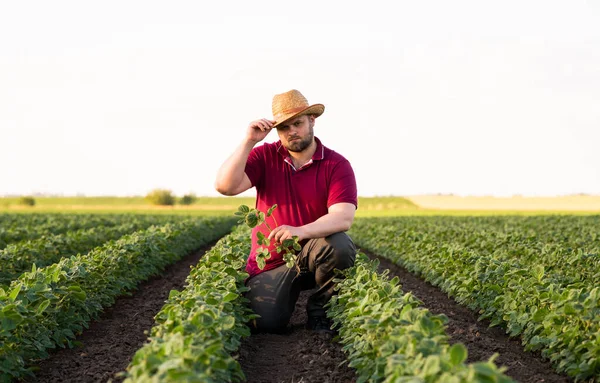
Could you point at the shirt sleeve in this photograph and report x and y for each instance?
(255, 165)
(342, 187)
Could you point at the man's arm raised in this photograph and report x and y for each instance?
(231, 177)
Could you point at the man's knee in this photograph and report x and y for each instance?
(343, 251)
(272, 296)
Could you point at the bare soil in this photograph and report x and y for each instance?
(298, 356)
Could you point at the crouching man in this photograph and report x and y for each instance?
(315, 190)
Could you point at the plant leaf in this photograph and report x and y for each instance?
(270, 211)
(458, 354)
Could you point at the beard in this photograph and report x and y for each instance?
(301, 144)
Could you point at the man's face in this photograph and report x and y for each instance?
(297, 134)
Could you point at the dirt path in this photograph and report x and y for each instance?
(111, 341)
(481, 340)
(300, 356)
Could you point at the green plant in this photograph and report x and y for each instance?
(253, 218)
(187, 199)
(26, 201)
(46, 307)
(537, 277)
(18, 257)
(21, 227)
(161, 197)
(389, 338)
(199, 328)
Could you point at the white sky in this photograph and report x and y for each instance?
(471, 98)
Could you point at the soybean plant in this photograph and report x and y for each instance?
(253, 218)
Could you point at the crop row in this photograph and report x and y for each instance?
(47, 307)
(20, 227)
(389, 338)
(386, 334)
(200, 327)
(569, 231)
(18, 257)
(545, 293)
(548, 242)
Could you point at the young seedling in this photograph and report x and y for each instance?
(289, 247)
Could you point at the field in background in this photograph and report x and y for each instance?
(572, 203)
(203, 205)
(520, 258)
(368, 206)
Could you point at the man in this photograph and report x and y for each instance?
(315, 190)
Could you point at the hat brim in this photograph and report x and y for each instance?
(316, 110)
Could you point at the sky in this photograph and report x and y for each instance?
(463, 97)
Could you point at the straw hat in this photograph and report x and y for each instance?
(292, 104)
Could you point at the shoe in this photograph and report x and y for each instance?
(320, 324)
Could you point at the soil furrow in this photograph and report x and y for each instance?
(298, 356)
(481, 340)
(110, 342)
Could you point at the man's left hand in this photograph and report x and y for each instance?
(283, 232)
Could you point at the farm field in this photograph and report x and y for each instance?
(572, 203)
(210, 206)
(538, 277)
(368, 206)
(101, 280)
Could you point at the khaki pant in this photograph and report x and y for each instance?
(273, 294)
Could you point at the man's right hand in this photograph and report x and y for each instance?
(259, 129)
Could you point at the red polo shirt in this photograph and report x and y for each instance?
(302, 195)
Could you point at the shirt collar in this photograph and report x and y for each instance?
(318, 155)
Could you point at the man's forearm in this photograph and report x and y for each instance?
(328, 224)
(231, 173)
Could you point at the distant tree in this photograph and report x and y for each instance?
(26, 201)
(187, 199)
(161, 197)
